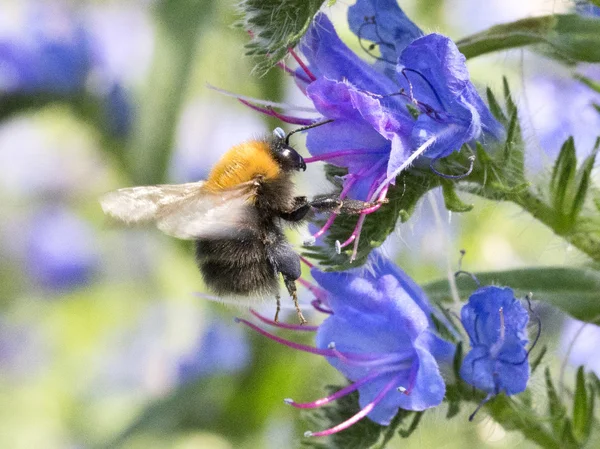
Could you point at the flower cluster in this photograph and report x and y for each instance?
(379, 335)
(415, 102)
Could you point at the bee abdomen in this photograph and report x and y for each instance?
(236, 267)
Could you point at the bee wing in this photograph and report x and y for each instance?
(186, 211)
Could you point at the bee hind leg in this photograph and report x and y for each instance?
(287, 262)
(290, 284)
(278, 299)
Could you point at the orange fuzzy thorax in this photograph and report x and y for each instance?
(242, 163)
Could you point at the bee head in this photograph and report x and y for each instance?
(287, 158)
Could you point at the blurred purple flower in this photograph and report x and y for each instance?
(51, 52)
(586, 8)
(550, 123)
(579, 343)
(60, 250)
(378, 335)
(496, 323)
(223, 348)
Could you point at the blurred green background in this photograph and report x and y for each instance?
(103, 342)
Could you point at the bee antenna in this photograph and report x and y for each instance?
(304, 128)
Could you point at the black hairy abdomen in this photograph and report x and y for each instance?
(236, 266)
(250, 264)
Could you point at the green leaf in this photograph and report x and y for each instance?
(566, 437)
(405, 433)
(451, 200)
(592, 84)
(556, 408)
(576, 291)
(563, 175)
(582, 184)
(495, 107)
(538, 359)
(583, 410)
(275, 27)
(569, 37)
(512, 415)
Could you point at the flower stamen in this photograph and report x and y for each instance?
(360, 415)
(337, 395)
(301, 63)
(268, 110)
(295, 327)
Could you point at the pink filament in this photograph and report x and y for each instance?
(317, 305)
(355, 236)
(343, 193)
(286, 69)
(295, 327)
(360, 415)
(310, 75)
(307, 262)
(271, 112)
(319, 293)
(283, 341)
(338, 394)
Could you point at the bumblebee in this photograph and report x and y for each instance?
(235, 216)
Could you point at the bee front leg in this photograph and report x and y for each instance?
(299, 210)
(333, 204)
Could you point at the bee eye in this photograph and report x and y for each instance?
(289, 159)
(279, 133)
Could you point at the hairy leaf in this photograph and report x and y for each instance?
(275, 26)
(568, 37)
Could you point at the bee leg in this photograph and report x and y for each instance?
(278, 299)
(285, 261)
(331, 203)
(299, 210)
(291, 287)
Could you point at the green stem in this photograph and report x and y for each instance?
(178, 25)
(587, 242)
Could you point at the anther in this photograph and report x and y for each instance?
(310, 241)
(308, 434)
(338, 247)
(288, 401)
(401, 389)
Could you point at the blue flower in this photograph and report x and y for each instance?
(579, 344)
(496, 323)
(222, 348)
(378, 335)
